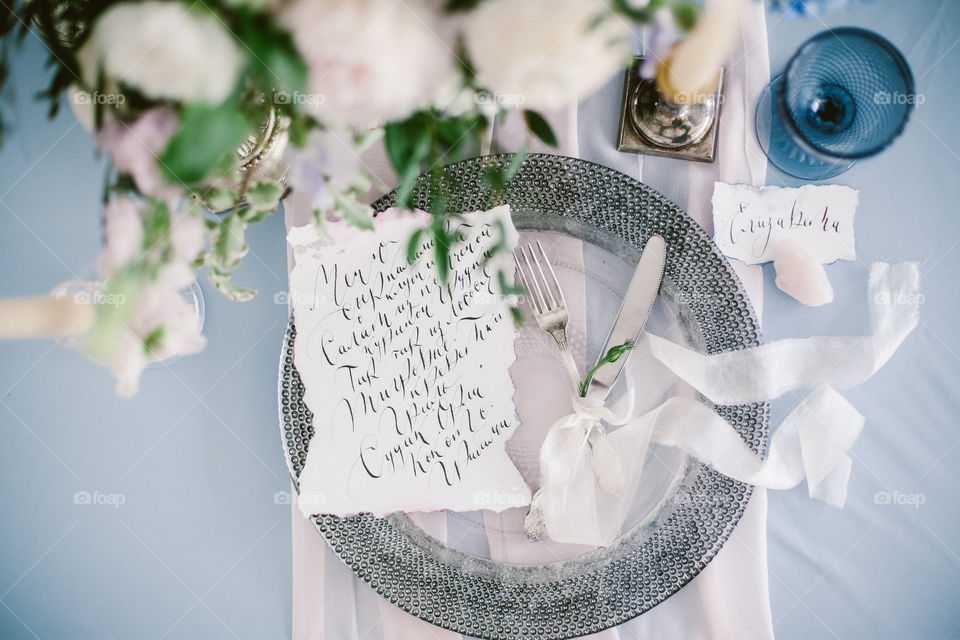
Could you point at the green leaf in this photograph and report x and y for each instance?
(221, 280)
(298, 130)
(366, 139)
(686, 14)
(152, 341)
(206, 142)
(264, 196)
(112, 319)
(539, 127)
(274, 59)
(614, 354)
(455, 6)
(441, 249)
(408, 144)
(508, 289)
(514, 166)
(228, 245)
(353, 211)
(220, 199)
(413, 244)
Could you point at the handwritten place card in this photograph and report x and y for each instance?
(748, 222)
(407, 379)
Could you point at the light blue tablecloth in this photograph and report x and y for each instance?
(199, 547)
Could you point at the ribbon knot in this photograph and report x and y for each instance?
(571, 438)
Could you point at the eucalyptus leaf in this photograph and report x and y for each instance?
(229, 247)
(264, 197)
(352, 210)
(220, 199)
(221, 281)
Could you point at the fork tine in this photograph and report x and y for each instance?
(532, 295)
(553, 275)
(531, 278)
(538, 284)
(543, 277)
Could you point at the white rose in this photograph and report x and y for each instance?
(544, 54)
(369, 61)
(164, 50)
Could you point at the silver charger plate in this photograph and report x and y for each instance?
(649, 562)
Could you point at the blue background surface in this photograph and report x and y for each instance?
(200, 546)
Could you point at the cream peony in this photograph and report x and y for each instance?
(544, 54)
(164, 50)
(369, 61)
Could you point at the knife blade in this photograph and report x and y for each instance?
(634, 310)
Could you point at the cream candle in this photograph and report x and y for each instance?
(45, 317)
(691, 71)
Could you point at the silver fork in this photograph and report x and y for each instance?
(546, 301)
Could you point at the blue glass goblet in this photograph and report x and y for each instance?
(844, 96)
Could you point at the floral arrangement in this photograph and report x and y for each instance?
(211, 112)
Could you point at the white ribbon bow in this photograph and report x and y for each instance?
(572, 437)
(812, 442)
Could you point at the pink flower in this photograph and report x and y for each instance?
(188, 236)
(157, 308)
(133, 149)
(127, 363)
(123, 233)
(325, 164)
(661, 37)
(163, 307)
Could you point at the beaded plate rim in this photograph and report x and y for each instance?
(601, 589)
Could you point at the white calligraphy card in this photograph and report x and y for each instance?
(748, 222)
(407, 378)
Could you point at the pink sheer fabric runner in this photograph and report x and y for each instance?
(729, 598)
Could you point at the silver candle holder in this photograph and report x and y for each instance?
(653, 124)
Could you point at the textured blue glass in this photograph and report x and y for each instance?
(845, 95)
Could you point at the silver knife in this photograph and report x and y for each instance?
(634, 310)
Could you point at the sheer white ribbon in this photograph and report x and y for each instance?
(811, 442)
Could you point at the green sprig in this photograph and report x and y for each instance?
(614, 354)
